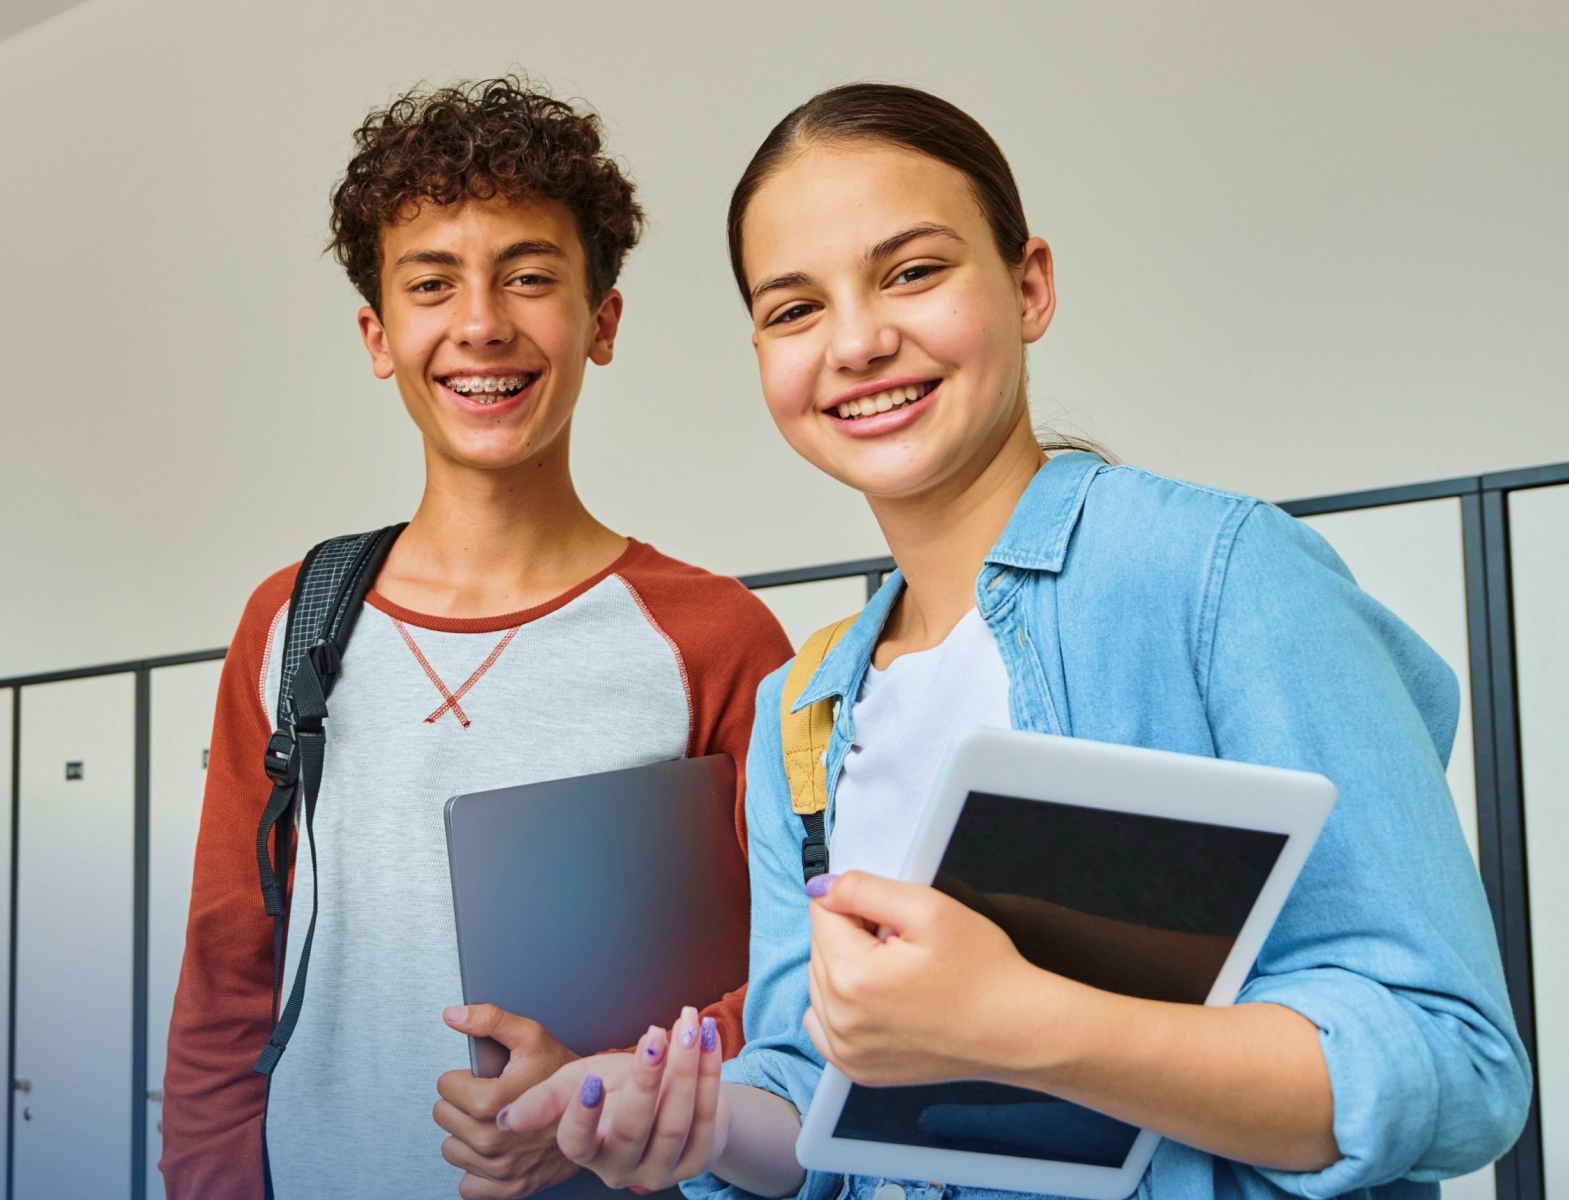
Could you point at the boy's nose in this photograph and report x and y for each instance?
(484, 321)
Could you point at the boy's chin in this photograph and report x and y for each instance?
(490, 457)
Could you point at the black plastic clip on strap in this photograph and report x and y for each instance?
(814, 846)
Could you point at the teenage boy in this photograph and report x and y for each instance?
(509, 637)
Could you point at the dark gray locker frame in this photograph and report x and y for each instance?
(1500, 799)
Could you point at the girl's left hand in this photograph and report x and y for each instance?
(645, 1120)
(919, 1004)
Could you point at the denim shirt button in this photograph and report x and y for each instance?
(888, 1191)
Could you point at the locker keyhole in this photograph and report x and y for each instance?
(73, 770)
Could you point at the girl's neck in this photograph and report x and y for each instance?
(940, 540)
(485, 543)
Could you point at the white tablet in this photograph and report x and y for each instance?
(1138, 871)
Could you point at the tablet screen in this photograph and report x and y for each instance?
(1146, 906)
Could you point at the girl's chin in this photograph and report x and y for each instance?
(893, 476)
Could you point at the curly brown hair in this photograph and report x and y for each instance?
(481, 139)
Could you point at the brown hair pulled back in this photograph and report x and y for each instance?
(481, 139)
(899, 116)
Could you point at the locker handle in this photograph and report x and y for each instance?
(22, 1085)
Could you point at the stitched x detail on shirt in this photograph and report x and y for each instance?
(449, 700)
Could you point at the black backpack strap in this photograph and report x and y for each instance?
(328, 595)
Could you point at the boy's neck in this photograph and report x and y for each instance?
(485, 543)
(940, 541)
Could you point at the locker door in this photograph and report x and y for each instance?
(1539, 548)
(6, 700)
(183, 699)
(1411, 559)
(74, 940)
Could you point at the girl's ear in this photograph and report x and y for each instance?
(1037, 292)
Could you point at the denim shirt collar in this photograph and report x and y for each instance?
(1035, 538)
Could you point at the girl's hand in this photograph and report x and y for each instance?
(917, 1004)
(645, 1120)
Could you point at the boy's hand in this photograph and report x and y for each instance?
(644, 1120)
(500, 1164)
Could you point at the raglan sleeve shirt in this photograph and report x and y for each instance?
(725, 640)
(213, 1100)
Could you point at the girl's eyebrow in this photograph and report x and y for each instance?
(882, 250)
(892, 245)
(774, 283)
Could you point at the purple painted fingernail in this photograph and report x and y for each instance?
(593, 1091)
(501, 1118)
(710, 1035)
(818, 885)
(688, 1035)
(651, 1052)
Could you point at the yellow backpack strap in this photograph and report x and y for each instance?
(804, 738)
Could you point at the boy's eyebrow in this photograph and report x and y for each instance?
(884, 248)
(435, 258)
(523, 249)
(528, 248)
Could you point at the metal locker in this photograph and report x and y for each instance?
(74, 939)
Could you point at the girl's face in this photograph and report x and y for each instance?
(889, 331)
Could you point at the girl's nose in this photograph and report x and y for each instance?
(861, 338)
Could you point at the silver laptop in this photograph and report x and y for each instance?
(599, 905)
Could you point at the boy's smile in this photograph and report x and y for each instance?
(486, 322)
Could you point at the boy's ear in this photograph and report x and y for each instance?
(374, 336)
(607, 319)
(1037, 291)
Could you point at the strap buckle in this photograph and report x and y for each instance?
(814, 856)
(282, 759)
(327, 659)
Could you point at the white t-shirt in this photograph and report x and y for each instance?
(902, 723)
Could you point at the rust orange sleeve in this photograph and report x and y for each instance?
(213, 1099)
(727, 640)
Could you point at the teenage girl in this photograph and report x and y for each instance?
(880, 246)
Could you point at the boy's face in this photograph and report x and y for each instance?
(486, 322)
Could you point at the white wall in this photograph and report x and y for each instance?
(1301, 248)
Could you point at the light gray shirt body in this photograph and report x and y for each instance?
(592, 686)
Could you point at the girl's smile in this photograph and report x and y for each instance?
(883, 406)
(889, 329)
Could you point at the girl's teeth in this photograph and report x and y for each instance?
(866, 406)
(490, 385)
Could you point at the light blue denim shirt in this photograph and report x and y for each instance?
(1135, 609)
